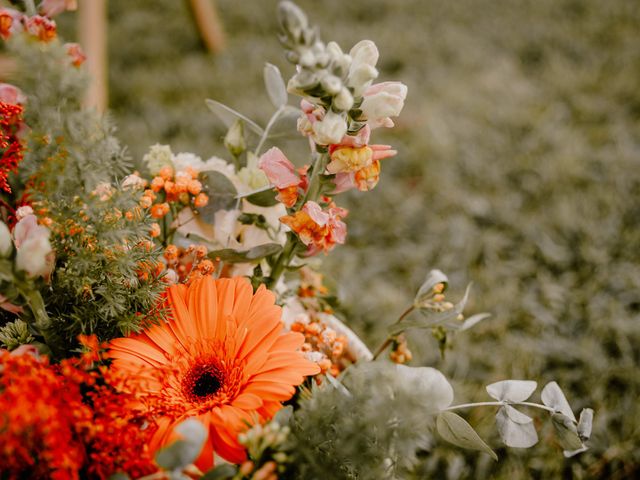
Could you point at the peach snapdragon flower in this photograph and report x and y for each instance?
(356, 163)
(319, 229)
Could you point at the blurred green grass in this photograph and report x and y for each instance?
(519, 170)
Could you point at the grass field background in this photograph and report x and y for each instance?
(518, 170)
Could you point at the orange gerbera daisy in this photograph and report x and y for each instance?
(223, 358)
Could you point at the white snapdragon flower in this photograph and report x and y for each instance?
(330, 129)
(383, 100)
(343, 100)
(362, 71)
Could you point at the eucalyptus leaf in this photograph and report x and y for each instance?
(454, 429)
(512, 390)
(515, 428)
(221, 472)
(265, 198)
(228, 116)
(429, 385)
(473, 320)
(229, 255)
(553, 397)
(276, 88)
(184, 452)
(585, 424)
(567, 432)
(222, 194)
(425, 292)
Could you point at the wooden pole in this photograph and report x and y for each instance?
(209, 24)
(92, 28)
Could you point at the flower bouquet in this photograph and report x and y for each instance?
(166, 318)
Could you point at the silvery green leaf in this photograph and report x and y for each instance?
(119, 476)
(425, 292)
(429, 384)
(585, 424)
(184, 452)
(473, 320)
(337, 384)
(567, 432)
(512, 390)
(553, 397)
(222, 194)
(275, 86)
(228, 115)
(516, 429)
(454, 429)
(221, 472)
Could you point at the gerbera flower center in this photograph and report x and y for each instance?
(203, 381)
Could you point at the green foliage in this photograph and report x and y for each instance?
(107, 268)
(104, 282)
(371, 427)
(13, 334)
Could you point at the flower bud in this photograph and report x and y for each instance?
(292, 19)
(343, 100)
(331, 84)
(234, 139)
(6, 245)
(330, 129)
(34, 252)
(383, 100)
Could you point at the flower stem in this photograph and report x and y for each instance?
(389, 339)
(499, 404)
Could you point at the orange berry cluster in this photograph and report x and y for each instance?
(183, 187)
(330, 348)
(400, 352)
(183, 265)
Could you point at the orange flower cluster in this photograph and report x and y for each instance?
(185, 265)
(11, 152)
(183, 187)
(39, 26)
(67, 422)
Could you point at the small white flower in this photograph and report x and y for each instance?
(6, 245)
(182, 161)
(330, 129)
(158, 157)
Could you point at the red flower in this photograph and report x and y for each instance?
(66, 422)
(11, 152)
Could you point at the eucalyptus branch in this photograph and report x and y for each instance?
(499, 404)
(389, 338)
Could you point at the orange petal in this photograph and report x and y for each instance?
(247, 401)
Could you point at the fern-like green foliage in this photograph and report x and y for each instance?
(105, 280)
(372, 428)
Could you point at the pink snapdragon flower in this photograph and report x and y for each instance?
(10, 22)
(11, 94)
(51, 8)
(383, 101)
(319, 229)
(34, 253)
(355, 163)
(283, 175)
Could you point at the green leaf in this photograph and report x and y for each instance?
(266, 198)
(228, 115)
(454, 429)
(276, 89)
(183, 453)
(120, 476)
(473, 321)
(221, 472)
(222, 194)
(567, 432)
(252, 255)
